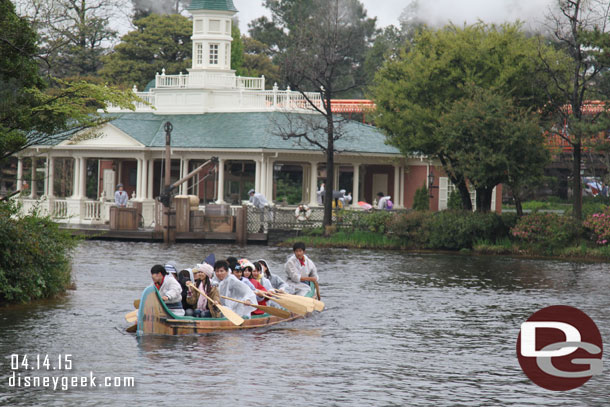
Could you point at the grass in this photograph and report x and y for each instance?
(582, 250)
(354, 240)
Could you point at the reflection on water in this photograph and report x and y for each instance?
(398, 329)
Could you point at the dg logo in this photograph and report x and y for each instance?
(560, 348)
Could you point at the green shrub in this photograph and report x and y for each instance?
(599, 225)
(413, 226)
(421, 201)
(455, 201)
(460, 229)
(374, 221)
(34, 256)
(546, 231)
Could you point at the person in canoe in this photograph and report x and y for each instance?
(300, 269)
(169, 289)
(248, 269)
(275, 280)
(203, 280)
(230, 286)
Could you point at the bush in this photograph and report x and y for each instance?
(599, 225)
(414, 227)
(460, 229)
(547, 231)
(421, 201)
(375, 221)
(455, 201)
(34, 256)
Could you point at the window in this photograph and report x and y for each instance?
(228, 27)
(215, 26)
(288, 183)
(198, 26)
(199, 54)
(446, 188)
(213, 54)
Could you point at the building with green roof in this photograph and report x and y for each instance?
(214, 113)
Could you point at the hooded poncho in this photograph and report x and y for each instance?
(233, 288)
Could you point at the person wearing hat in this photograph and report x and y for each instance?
(203, 280)
(170, 267)
(169, 289)
(257, 199)
(120, 197)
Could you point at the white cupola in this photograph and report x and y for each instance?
(212, 35)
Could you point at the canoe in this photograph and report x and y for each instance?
(154, 318)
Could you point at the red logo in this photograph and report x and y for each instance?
(560, 348)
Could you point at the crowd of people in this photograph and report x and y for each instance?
(238, 279)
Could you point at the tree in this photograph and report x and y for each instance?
(580, 27)
(237, 50)
(324, 53)
(73, 34)
(36, 110)
(494, 141)
(414, 91)
(257, 62)
(158, 42)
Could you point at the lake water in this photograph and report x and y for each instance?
(398, 329)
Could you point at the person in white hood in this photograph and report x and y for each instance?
(230, 286)
(169, 289)
(382, 202)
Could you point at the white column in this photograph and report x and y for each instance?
(221, 181)
(19, 173)
(82, 190)
(356, 185)
(151, 176)
(33, 182)
(50, 176)
(139, 178)
(257, 177)
(269, 187)
(402, 187)
(46, 176)
(313, 184)
(144, 178)
(185, 170)
(263, 179)
(396, 194)
(75, 183)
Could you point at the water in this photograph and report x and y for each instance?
(398, 329)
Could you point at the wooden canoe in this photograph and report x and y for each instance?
(154, 318)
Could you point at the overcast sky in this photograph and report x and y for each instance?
(434, 12)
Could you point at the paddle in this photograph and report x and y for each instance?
(315, 283)
(292, 306)
(307, 301)
(227, 312)
(132, 328)
(269, 310)
(136, 304)
(131, 316)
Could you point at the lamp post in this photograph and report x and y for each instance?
(431, 184)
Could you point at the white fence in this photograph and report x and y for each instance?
(209, 80)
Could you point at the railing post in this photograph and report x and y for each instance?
(275, 95)
(262, 82)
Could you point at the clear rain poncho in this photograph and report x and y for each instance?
(232, 287)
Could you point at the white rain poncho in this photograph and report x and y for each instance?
(295, 271)
(232, 287)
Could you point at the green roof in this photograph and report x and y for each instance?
(223, 5)
(245, 131)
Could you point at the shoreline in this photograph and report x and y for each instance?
(483, 251)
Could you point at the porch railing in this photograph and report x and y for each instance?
(93, 210)
(60, 208)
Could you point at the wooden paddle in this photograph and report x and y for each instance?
(227, 312)
(315, 283)
(317, 304)
(269, 310)
(136, 304)
(292, 306)
(131, 316)
(132, 328)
